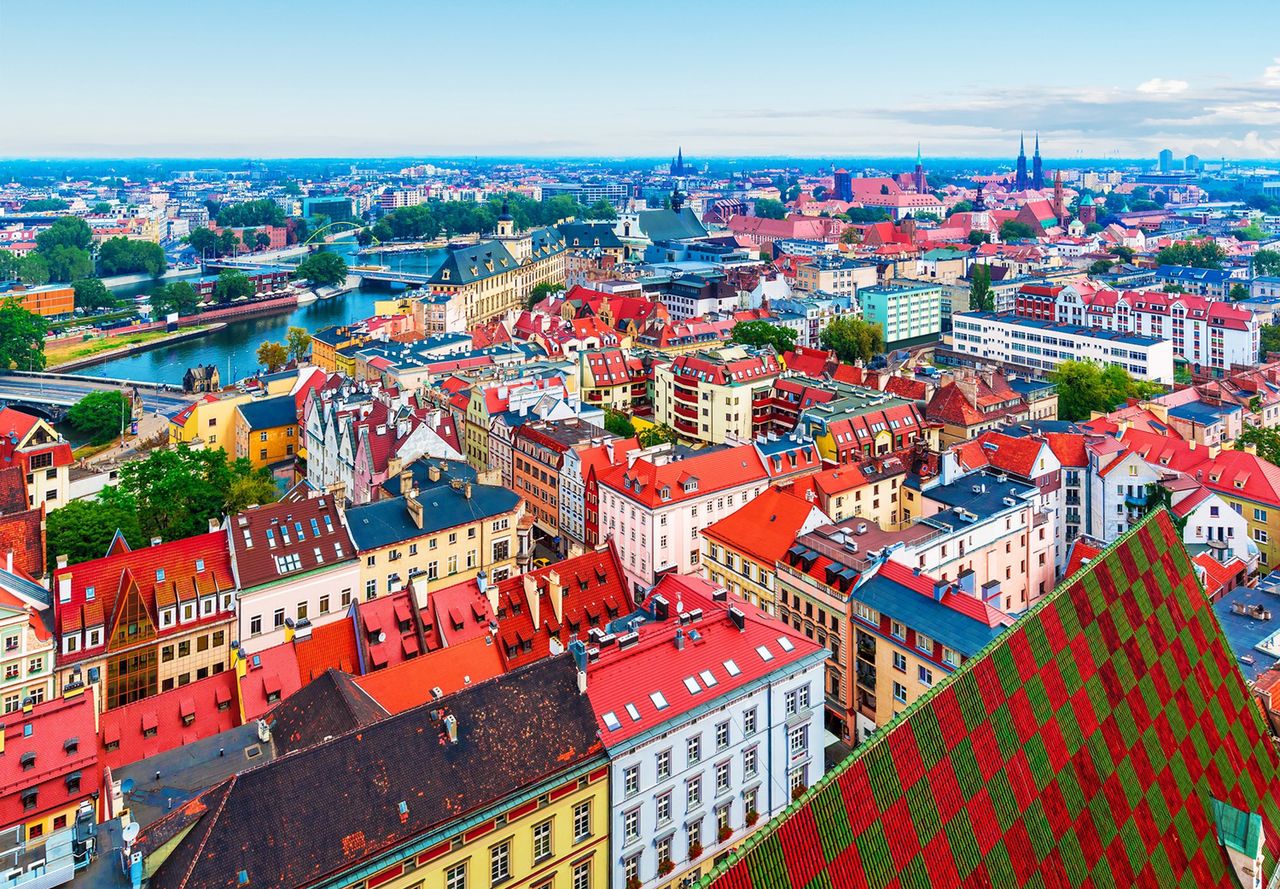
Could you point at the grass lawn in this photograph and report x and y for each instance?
(75, 351)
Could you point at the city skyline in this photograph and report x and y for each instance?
(400, 79)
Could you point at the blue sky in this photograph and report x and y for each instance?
(562, 77)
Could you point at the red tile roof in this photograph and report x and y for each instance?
(271, 675)
(289, 538)
(53, 724)
(330, 646)
(169, 720)
(1081, 552)
(766, 526)
(645, 482)
(450, 669)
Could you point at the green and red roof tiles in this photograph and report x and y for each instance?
(1084, 747)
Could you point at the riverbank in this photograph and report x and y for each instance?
(75, 356)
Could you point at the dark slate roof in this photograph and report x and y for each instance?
(467, 263)
(668, 225)
(270, 413)
(333, 807)
(327, 706)
(586, 235)
(1086, 746)
(385, 522)
(449, 469)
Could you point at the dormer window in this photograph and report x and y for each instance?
(166, 617)
(159, 574)
(28, 761)
(199, 566)
(89, 593)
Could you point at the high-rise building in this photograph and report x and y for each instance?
(1166, 161)
(1192, 163)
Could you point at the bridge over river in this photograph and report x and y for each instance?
(50, 394)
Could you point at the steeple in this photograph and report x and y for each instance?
(1020, 178)
(677, 199)
(1037, 169)
(1059, 203)
(917, 178)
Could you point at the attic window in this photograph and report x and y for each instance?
(708, 678)
(89, 593)
(28, 761)
(692, 685)
(633, 712)
(764, 652)
(732, 668)
(659, 700)
(71, 745)
(611, 721)
(73, 782)
(159, 574)
(29, 799)
(199, 565)
(786, 644)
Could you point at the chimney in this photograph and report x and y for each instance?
(679, 639)
(739, 618)
(555, 592)
(466, 490)
(940, 589)
(415, 509)
(582, 682)
(451, 728)
(214, 524)
(535, 601)
(406, 482)
(155, 541)
(62, 561)
(433, 472)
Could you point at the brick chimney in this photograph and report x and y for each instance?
(412, 504)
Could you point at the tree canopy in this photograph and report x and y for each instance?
(100, 416)
(83, 529)
(69, 231)
(1267, 442)
(619, 424)
(541, 291)
(297, 343)
(21, 337)
(91, 294)
(1085, 387)
(1202, 255)
(250, 213)
(1013, 230)
(68, 263)
(853, 339)
(601, 210)
(977, 237)
(655, 435)
(764, 333)
(125, 256)
(767, 208)
(1269, 337)
(981, 299)
(1266, 262)
(1250, 232)
(273, 356)
(233, 285)
(323, 269)
(176, 296)
(44, 205)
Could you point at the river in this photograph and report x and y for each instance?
(233, 349)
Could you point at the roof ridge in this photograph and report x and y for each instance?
(191, 863)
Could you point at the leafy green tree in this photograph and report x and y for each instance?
(323, 269)
(1269, 338)
(1267, 442)
(203, 241)
(763, 333)
(69, 231)
(961, 207)
(177, 296)
(44, 205)
(1084, 387)
(1238, 292)
(292, 188)
(68, 263)
(619, 424)
(977, 237)
(850, 236)
(250, 213)
(1092, 228)
(981, 298)
(602, 210)
(655, 435)
(1125, 253)
(767, 208)
(364, 237)
(1266, 262)
(83, 529)
(10, 266)
(101, 207)
(1173, 288)
(1100, 267)
(33, 270)
(228, 242)
(867, 214)
(1250, 232)
(273, 356)
(177, 490)
(21, 337)
(1013, 230)
(91, 294)
(853, 339)
(541, 291)
(297, 343)
(233, 285)
(1203, 255)
(124, 256)
(261, 240)
(100, 416)
(249, 487)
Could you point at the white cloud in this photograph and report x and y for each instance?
(1271, 74)
(1161, 86)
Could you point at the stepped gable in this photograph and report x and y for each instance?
(1106, 739)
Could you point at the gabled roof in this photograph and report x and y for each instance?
(326, 707)
(766, 526)
(384, 522)
(451, 669)
(1091, 738)
(170, 719)
(269, 413)
(645, 482)
(289, 538)
(331, 646)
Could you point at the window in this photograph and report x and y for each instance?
(631, 826)
(184, 648)
(631, 868)
(693, 749)
(11, 671)
(663, 847)
(324, 604)
(749, 722)
(898, 629)
(664, 764)
(371, 589)
(950, 657)
(751, 762)
(500, 863)
(581, 876)
(662, 807)
(722, 735)
(925, 644)
(581, 821)
(899, 662)
(750, 800)
(722, 777)
(926, 676)
(899, 693)
(631, 780)
(255, 625)
(456, 877)
(798, 741)
(790, 703)
(542, 840)
(277, 619)
(693, 792)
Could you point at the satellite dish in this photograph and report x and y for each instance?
(382, 637)
(130, 832)
(127, 785)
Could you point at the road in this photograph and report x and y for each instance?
(66, 391)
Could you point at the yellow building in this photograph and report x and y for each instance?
(266, 430)
(448, 532)
(835, 274)
(488, 279)
(717, 395)
(210, 422)
(504, 783)
(326, 342)
(867, 490)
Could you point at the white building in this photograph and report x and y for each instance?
(712, 720)
(1043, 345)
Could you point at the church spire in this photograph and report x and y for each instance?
(1020, 177)
(1037, 166)
(1022, 145)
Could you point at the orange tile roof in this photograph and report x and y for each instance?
(331, 645)
(765, 527)
(450, 669)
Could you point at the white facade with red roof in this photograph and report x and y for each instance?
(709, 713)
(716, 395)
(43, 454)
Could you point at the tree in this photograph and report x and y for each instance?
(10, 265)
(44, 205)
(764, 333)
(961, 207)
(981, 299)
(91, 294)
(33, 270)
(853, 339)
(250, 213)
(1203, 255)
(602, 210)
(21, 337)
(1173, 288)
(323, 269)
(867, 214)
(100, 416)
(178, 490)
(124, 256)
(1250, 232)
(297, 343)
(1125, 253)
(83, 529)
(1269, 338)
(101, 207)
(1100, 267)
(249, 487)
(228, 242)
(1092, 228)
(767, 208)
(203, 241)
(262, 240)
(1266, 441)
(977, 237)
(1238, 292)
(655, 435)
(1085, 387)
(850, 236)
(273, 356)
(69, 231)
(1266, 262)
(178, 296)
(364, 237)
(292, 188)
(619, 424)
(68, 263)
(541, 291)
(233, 285)
(1013, 230)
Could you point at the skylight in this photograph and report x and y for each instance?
(692, 684)
(708, 678)
(732, 668)
(764, 652)
(611, 721)
(786, 644)
(658, 700)
(633, 712)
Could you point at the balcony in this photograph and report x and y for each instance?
(685, 395)
(683, 425)
(686, 410)
(1136, 501)
(866, 675)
